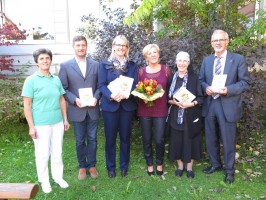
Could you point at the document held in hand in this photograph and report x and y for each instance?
(86, 96)
(122, 84)
(218, 82)
(183, 95)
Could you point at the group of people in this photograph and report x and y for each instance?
(47, 113)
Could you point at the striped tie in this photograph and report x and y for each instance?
(218, 66)
(218, 70)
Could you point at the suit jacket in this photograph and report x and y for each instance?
(106, 75)
(72, 79)
(237, 81)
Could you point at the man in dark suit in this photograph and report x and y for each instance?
(223, 103)
(77, 73)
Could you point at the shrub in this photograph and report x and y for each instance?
(11, 103)
(104, 31)
(194, 38)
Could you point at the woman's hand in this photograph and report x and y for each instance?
(183, 105)
(66, 125)
(33, 132)
(117, 97)
(186, 105)
(174, 102)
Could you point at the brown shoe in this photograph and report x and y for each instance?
(82, 174)
(93, 172)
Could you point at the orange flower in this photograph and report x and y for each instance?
(148, 90)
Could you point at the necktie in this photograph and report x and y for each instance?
(218, 66)
(218, 70)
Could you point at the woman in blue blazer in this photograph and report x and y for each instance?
(117, 109)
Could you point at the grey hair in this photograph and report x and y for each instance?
(220, 31)
(182, 54)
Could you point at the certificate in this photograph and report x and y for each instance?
(86, 96)
(126, 85)
(122, 85)
(218, 82)
(184, 95)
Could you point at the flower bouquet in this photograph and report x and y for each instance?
(148, 90)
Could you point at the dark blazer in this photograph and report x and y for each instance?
(237, 81)
(193, 115)
(106, 75)
(72, 79)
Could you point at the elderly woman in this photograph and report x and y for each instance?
(117, 109)
(152, 119)
(185, 117)
(45, 112)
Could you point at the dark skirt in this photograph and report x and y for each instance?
(182, 147)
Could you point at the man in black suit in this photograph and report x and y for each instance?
(223, 102)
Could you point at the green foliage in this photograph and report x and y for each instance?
(38, 35)
(181, 17)
(188, 25)
(11, 103)
(143, 11)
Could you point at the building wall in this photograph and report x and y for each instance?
(67, 15)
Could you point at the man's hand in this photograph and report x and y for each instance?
(209, 91)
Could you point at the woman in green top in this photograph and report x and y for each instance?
(45, 111)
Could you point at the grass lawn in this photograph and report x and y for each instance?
(17, 164)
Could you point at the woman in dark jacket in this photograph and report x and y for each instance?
(185, 117)
(117, 109)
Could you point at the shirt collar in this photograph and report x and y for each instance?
(78, 61)
(223, 55)
(42, 75)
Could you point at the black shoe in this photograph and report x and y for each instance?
(159, 173)
(211, 169)
(111, 174)
(229, 178)
(179, 172)
(190, 174)
(150, 173)
(124, 173)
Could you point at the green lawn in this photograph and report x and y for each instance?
(17, 165)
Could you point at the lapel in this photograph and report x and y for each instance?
(211, 64)
(75, 66)
(88, 68)
(228, 62)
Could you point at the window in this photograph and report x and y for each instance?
(35, 17)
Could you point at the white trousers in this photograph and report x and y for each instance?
(49, 142)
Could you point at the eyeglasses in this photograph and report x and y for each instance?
(121, 45)
(220, 40)
(182, 61)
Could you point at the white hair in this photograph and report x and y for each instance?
(183, 54)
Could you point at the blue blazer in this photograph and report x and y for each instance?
(72, 79)
(106, 75)
(237, 81)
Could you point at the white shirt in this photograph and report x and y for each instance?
(82, 66)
